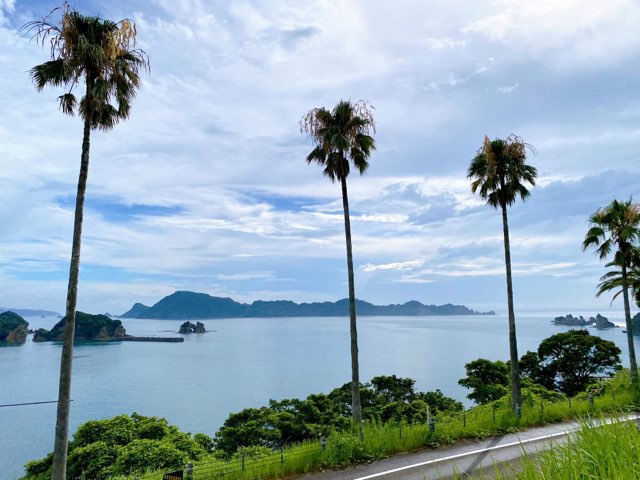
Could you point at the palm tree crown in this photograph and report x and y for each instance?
(616, 225)
(341, 135)
(100, 52)
(499, 172)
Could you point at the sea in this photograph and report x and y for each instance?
(240, 363)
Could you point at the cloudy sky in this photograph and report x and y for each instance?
(206, 187)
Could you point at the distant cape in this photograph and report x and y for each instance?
(26, 312)
(197, 306)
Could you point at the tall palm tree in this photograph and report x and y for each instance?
(99, 55)
(340, 136)
(617, 227)
(499, 173)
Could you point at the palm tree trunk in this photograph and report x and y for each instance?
(356, 409)
(64, 392)
(633, 365)
(516, 398)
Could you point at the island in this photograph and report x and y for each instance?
(600, 322)
(95, 328)
(184, 305)
(13, 328)
(188, 327)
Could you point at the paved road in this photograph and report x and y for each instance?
(466, 457)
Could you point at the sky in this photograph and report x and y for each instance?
(206, 188)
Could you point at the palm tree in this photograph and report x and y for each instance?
(340, 136)
(617, 226)
(101, 56)
(499, 173)
(612, 280)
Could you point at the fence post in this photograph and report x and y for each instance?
(432, 424)
(590, 398)
(464, 418)
(323, 443)
(189, 471)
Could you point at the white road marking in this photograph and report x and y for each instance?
(487, 449)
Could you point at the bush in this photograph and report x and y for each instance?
(142, 455)
(123, 445)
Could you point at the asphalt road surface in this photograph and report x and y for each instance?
(465, 458)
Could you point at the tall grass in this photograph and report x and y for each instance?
(596, 451)
(384, 439)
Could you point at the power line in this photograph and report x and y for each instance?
(29, 403)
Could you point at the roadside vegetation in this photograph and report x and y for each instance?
(595, 451)
(136, 447)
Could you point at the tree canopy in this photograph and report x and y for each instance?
(569, 362)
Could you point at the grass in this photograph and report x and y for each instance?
(596, 451)
(382, 440)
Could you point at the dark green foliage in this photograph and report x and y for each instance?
(386, 398)
(487, 380)
(88, 327)
(141, 455)
(124, 444)
(568, 362)
(12, 327)
(39, 469)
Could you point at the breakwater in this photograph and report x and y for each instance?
(152, 339)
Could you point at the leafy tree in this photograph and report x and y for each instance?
(340, 136)
(567, 362)
(487, 380)
(616, 229)
(101, 55)
(123, 445)
(385, 398)
(499, 174)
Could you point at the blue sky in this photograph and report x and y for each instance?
(206, 188)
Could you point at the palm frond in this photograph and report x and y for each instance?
(68, 103)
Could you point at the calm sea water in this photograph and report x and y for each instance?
(240, 363)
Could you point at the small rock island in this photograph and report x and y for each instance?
(13, 328)
(188, 327)
(599, 321)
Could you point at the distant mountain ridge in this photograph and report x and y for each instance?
(184, 305)
(26, 312)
